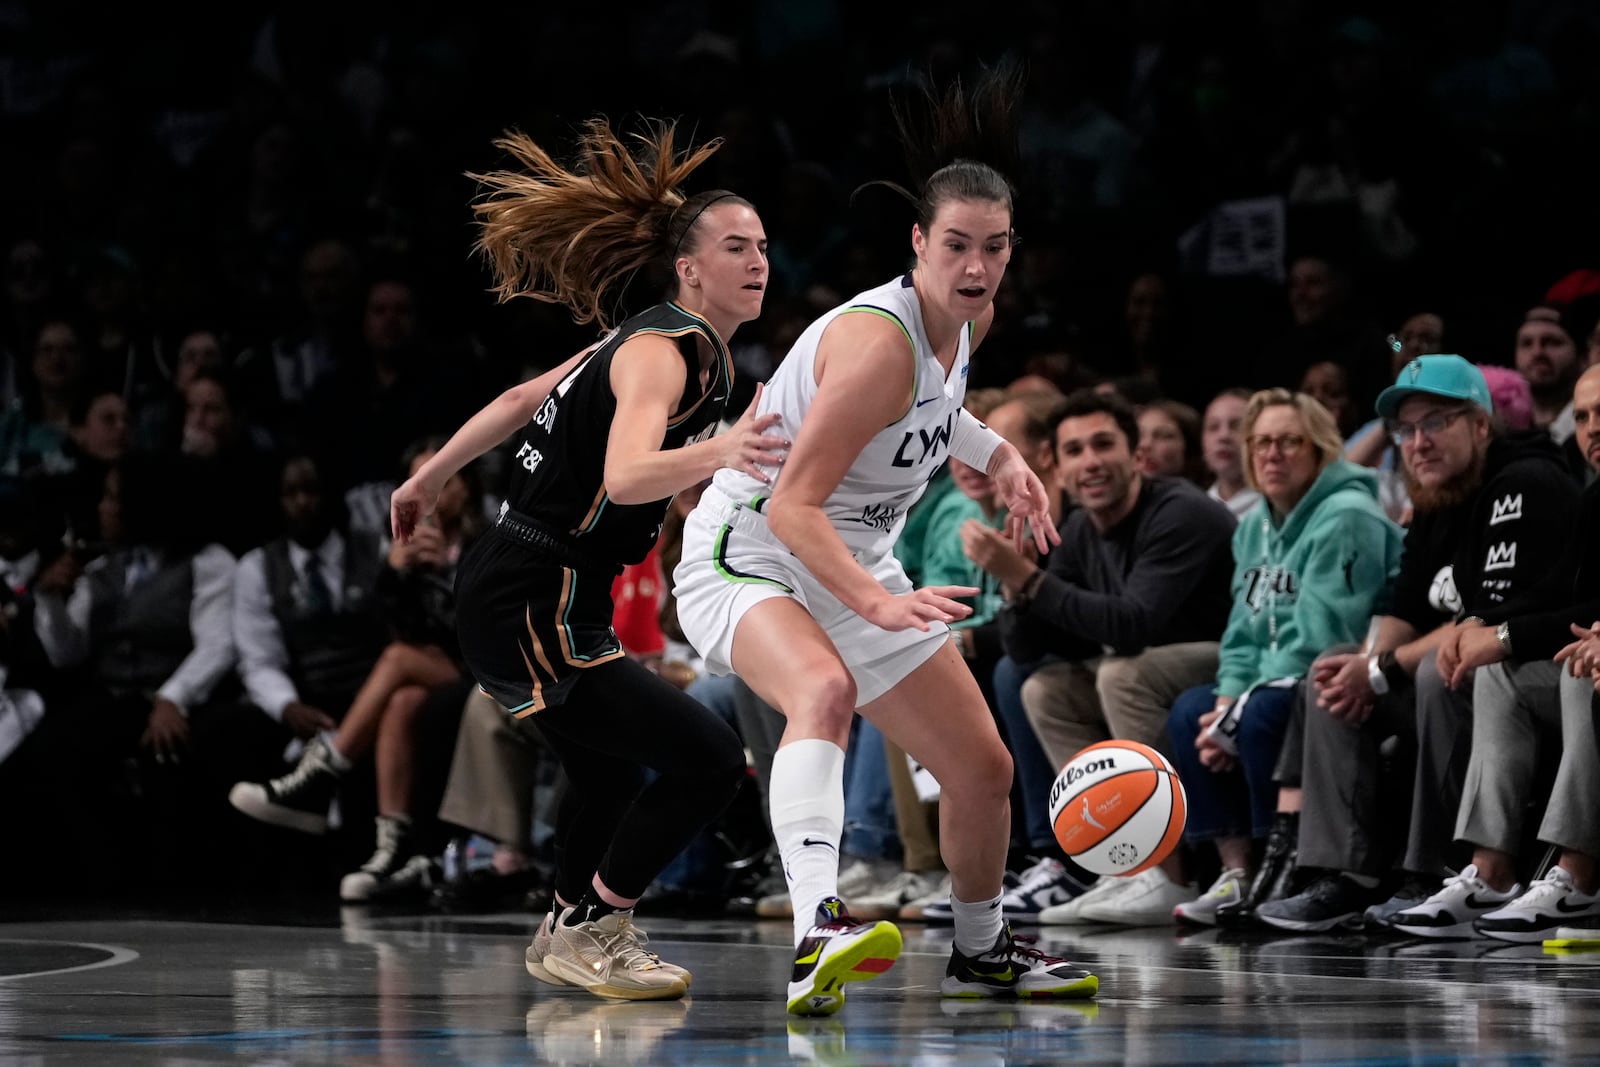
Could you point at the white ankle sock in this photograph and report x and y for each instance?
(806, 797)
(978, 925)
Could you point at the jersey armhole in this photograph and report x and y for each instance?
(916, 364)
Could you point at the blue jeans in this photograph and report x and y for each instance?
(1034, 773)
(869, 827)
(1240, 802)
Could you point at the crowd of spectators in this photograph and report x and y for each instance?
(240, 299)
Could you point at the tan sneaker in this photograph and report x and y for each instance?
(606, 958)
(533, 958)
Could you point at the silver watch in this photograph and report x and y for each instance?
(1502, 633)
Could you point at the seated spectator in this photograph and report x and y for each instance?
(1221, 446)
(160, 419)
(233, 461)
(416, 589)
(1125, 614)
(1420, 334)
(1169, 441)
(1329, 385)
(97, 440)
(1525, 706)
(1491, 515)
(1310, 562)
(35, 431)
(1548, 353)
(148, 623)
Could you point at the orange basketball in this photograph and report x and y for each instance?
(1118, 807)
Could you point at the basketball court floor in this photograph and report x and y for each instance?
(180, 986)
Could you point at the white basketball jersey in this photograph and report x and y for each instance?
(868, 509)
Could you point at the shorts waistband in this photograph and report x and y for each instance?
(537, 535)
(749, 517)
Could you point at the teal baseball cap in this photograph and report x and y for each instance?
(1448, 376)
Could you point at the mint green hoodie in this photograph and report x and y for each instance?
(1309, 582)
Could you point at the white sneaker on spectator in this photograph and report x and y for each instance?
(859, 876)
(1202, 911)
(1071, 913)
(886, 900)
(1549, 903)
(938, 896)
(1452, 910)
(1148, 900)
(855, 877)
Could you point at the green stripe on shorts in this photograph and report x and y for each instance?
(719, 559)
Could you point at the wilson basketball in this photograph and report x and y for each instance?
(1118, 807)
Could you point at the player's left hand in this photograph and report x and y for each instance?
(1027, 504)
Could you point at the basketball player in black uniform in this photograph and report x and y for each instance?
(605, 441)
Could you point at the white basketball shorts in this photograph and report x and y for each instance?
(732, 562)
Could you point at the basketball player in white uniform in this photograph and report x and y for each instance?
(791, 583)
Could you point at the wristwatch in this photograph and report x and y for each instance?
(1502, 633)
(1375, 678)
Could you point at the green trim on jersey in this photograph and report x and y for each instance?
(916, 364)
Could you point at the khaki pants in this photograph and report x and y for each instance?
(1074, 705)
(917, 820)
(492, 776)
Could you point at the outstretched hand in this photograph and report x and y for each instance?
(409, 505)
(1027, 504)
(748, 447)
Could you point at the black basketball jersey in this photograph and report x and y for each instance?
(559, 463)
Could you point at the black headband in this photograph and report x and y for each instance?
(679, 243)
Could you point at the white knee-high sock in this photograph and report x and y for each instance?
(806, 798)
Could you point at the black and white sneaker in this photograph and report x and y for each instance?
(1043, 885)
(394, 872)
(1452, 910)
(1014, 968)
(1331, 902)
(838, 949)
(1550, 902)
(298, 800)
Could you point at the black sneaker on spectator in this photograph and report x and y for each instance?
(298, 800)
(1414, 888)
(1331, 902)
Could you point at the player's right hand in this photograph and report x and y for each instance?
(920, 607)
(748, 447)
(409, 504)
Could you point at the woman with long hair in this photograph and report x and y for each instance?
(792, 583)
(601, 444)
